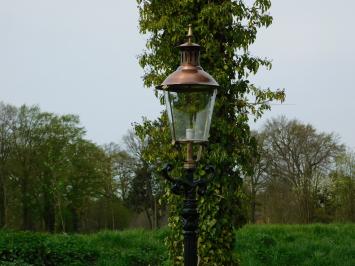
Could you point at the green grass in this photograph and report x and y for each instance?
(312, 245)
(256, 245)
(131, 247)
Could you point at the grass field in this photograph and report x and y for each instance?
(256, 245)
(313, 245)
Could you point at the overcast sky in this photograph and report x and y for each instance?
(80, 57)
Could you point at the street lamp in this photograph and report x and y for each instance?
(190, 94)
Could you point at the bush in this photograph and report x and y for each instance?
(126, 248)
(21, 248)
(131, 248)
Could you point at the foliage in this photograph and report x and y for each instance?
(52, 178)
(133, 248)
(43, 249)
(342, 189)
(225, 29)
(299, 160)
(158, 142)
(145, 188)
(255, 182)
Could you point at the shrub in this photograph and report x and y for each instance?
(43, 249)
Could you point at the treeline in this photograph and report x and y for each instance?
(53, 179)
(300, 176)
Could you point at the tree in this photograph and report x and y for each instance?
(53, 179)
(299, 158)
(343, 187)
(123, 166)
(118, 182)
(255, 182)
(7, 125)
(145, 188)
(86, 181)
(25, 160)
(225, 29)
(58, 132)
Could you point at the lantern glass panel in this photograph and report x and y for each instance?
(190, 114)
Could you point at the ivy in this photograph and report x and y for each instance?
(225, 29)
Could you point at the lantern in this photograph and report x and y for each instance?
(190, 94)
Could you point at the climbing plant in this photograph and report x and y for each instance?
(225, 29)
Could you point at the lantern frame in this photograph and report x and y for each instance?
(189, 78)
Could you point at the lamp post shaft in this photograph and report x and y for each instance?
(188, 187)
(190, 222)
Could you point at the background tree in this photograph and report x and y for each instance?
(116, 186)
(7, 125)
(123, 166)
(145, 187)
(225, 29)
(255, 182)
(343, 187)
(52, 150)
(25, 161)
(298, 160)
(52, 178)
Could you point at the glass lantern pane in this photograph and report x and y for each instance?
(190, 114)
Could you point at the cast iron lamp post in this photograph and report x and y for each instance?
(189, 93)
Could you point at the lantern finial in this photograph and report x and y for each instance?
(189, 34)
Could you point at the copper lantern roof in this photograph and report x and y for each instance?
(189, 76)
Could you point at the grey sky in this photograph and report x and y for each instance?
(80, 56)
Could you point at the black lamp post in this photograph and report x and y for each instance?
(190, 93)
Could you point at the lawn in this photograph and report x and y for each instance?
(256, 245)
(312, 245)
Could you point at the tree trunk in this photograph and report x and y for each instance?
(112, 213)
(351, 195)
(62, 222)
(74, 219)
(149, 218)
(2, 202)
(155, 218)
(49, 212)
(27, 223)
(252, 205)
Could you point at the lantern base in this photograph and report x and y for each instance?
(194, 141)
